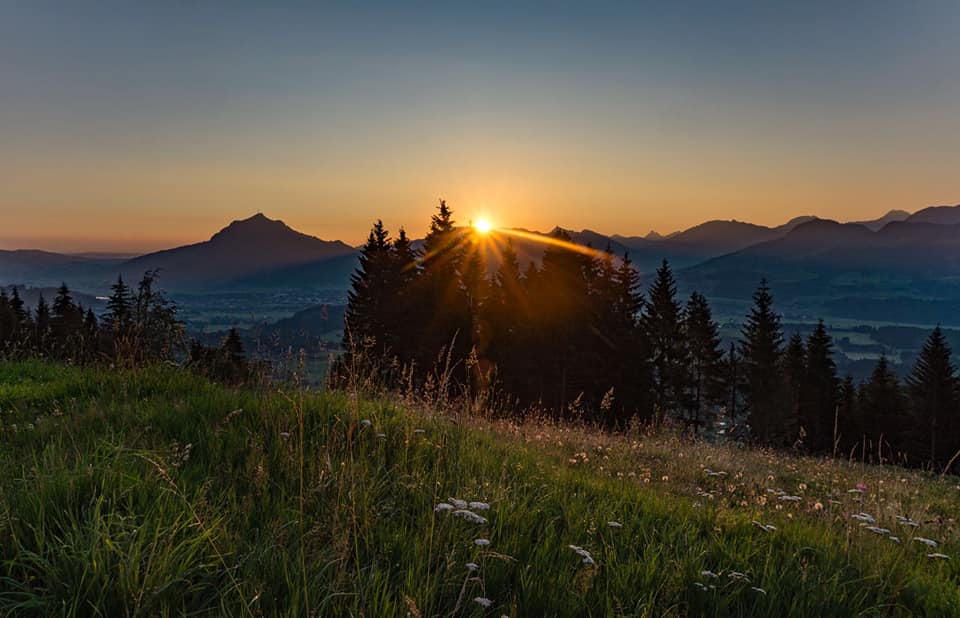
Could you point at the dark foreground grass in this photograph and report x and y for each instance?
(156, 493)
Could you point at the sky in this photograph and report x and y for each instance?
(132, 126)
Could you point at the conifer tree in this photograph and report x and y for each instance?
(119, 309)
(65, 324)
(883, 413)
(41, 326)
(706, 361)
(661, 320)
(762, 340)
(370, 297)
(446, 304)
(933, 402)
(818, 398)
(7, 321)
(793, 367)
(17, 306)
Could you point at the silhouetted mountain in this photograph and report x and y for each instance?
(890, 217)
(44, 268)
(941, 215)
(823, 263)
(242, 250)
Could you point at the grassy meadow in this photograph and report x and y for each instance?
(156, 493)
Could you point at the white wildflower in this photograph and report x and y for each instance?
(460, 504)
(479, 506)
(615, 524)
(366, 422)
(864, 517)
(473, 567)
(758, 590)
(790, 498)
(927, 542)
(906, 521)
(381, 436)
(895, 539)
(878, 530)
(738, 576)
(709, 574)
(481, 542)
(470, 516)
(484, 601)
(938, 556)
(419, 431)
(443, 506)
(764, 527)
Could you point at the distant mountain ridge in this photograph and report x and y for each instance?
(262, 253)
(244, 249)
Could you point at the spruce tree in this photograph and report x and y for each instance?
(933, 402)
(818, 398)
(445, 303)
(66, 322)
(119, 309)
(661, 320)
(369, 300)
(793, 367)
(761, 343)
(41, 326)
(7, 321)
(706, 361)
(883, 414)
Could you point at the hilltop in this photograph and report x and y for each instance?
(156, 492)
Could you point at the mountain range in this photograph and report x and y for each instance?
(878, 267)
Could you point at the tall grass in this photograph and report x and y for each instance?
(153, 492)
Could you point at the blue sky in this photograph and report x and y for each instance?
(129, 125)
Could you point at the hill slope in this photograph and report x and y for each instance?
(154, 492)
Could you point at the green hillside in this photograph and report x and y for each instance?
(154, 492)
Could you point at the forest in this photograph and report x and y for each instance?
(575, 336)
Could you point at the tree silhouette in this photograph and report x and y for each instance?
(933, 401)
(762, 339)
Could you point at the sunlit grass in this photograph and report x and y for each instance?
(157, 493)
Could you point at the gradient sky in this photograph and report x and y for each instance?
(135, 125)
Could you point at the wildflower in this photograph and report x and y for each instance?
(583, 553)
(862, 487)
(479, 506)
(473, 567)
(738, 576)
(443, 506)
(895, 539)
(366, 422)
(877, 530)
(481, 542)
(906, 521)
(856, 490)
(381, 436)
(615, 524)
(864, 517)
(469, 516)
(484, 601)
(285, 435)
(764, 527)
(419, 431)
(460, 504)
(709, 574)
(938, 556)
(790, 498)
(758, 590)
(699, 585)
(927, 542)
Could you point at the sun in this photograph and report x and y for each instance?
(483, 225)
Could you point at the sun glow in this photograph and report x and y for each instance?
(483, 225)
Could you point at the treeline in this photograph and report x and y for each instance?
(575, 335)
(140, 326)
